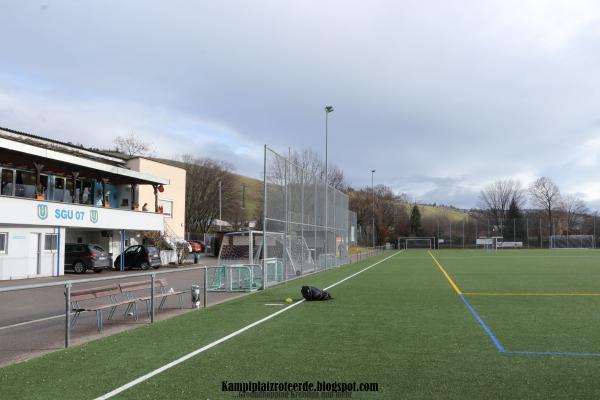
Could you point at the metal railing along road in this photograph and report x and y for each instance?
(69, 284)
(151, 276)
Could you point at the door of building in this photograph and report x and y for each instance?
(35, 254)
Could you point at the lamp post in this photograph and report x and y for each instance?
(373, 214)
(328, 109)
(220, 207)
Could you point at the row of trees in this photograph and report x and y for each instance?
(503, 204)
(506, 200)
(391, 214)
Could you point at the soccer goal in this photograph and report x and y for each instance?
(489, 243)
(572, 242)
(410, 243)
(241, 248)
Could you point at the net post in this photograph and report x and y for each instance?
(264, 238)
(152, 282)
(205, 291)
(67, 314)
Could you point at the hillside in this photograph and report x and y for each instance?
(452, 214)
(254, 194)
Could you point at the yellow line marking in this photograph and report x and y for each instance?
(528, 294)
(437, 263)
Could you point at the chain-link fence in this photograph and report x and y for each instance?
(533, 230)
(306, 221)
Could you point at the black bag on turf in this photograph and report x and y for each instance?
(312, 293)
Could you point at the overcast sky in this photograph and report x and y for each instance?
(440, 97)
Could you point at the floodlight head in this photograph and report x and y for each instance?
(372, 170)
(328, 109)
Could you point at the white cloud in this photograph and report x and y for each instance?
(97, 122)
(440, 97)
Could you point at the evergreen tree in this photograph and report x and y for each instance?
(513, 226)
(415, 221)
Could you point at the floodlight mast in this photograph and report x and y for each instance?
(328, 109)
(373, 213)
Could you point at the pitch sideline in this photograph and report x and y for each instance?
(186, 357)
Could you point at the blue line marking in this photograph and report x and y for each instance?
(483, 325)
(552, 353)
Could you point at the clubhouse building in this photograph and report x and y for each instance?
(54, 193)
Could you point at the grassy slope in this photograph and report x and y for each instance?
(437, 212)
(399, 324)
(254, 194)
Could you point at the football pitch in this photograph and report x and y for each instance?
(466, 324)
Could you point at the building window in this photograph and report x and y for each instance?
(51, 242)
(59, 189)
(25, 184)
(8, 183)
(3, 242)
(167, 206)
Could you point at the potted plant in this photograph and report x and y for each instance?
(136, 207)
(39, 192)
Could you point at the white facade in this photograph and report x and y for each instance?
(54, 193)
(35, 233)
(14, 210)
(31, 251)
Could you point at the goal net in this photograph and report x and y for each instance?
(409, 243)
(241, 248)
(489, 243)
(572, 242)
(289, 256)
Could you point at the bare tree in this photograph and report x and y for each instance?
(314, 166)
(202, 192)
(496, 198)
(545, 195)
(391, 216)
(574, 209)
(132, 145)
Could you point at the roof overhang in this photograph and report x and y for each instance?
(38, 152)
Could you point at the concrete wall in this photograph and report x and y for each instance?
(175, 191)
(21, 260)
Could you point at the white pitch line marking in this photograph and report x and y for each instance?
(223, 339)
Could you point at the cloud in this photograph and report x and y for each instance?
(96, 123)
(441, 98)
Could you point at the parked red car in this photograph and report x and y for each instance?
(197, 246)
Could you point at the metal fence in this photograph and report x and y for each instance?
(36, 318)
(533, 230)
(306, 221)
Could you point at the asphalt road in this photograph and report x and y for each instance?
(32, 321)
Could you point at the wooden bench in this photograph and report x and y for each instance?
(109, 293)
(161, 292)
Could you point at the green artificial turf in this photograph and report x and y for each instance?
(399, 324)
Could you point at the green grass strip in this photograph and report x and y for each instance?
(97, 367)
